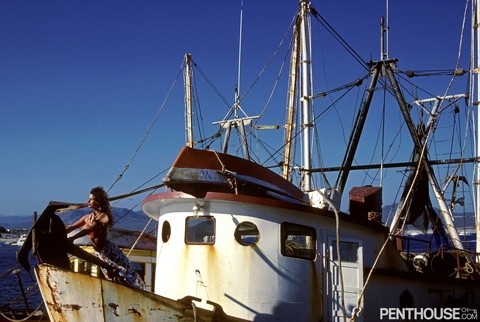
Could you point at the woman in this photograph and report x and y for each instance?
(96, 224)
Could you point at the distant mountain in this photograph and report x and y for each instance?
(136, 220)
(467, 220)
(16, 222)
(124, 218)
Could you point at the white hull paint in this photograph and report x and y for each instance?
(258, 282)
(71, 296)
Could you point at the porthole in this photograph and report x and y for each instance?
(166, 231)
(247, 233)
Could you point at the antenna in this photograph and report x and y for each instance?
(384, 34)
(237, 91)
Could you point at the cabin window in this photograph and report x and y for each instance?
(298, 241)
(166, 231)
(200, 230)
(247, 233)
(348, 251)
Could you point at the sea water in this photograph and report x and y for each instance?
(11, 293)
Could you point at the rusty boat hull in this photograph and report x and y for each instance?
(71, 296)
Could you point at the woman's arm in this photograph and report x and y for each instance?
(88, 223)
(77, 224)
(81, 233)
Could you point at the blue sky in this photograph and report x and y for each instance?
(81, 81)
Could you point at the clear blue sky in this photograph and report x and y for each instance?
(81, 81)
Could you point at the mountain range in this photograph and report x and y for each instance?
(137, 220)
(124, 218)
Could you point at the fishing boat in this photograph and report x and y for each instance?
(20, 240)
(238, 241)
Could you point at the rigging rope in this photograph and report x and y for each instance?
(28, 317)
(387, 239)
(340, 39)
(215, 89)
(139, 236)
(270, 60)
(347, 87)
(360, 296)
(339, 257)
(142, 141)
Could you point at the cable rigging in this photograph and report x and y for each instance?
(142, 141)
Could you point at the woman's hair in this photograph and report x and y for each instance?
(104, 204)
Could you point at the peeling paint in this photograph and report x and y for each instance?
(113, 302)
(135, 311)
(74, 307)
(114, 308)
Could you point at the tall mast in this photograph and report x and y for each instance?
(239, 68)
(305, 65)
(188, 99)
(291, 103)
(238, 122)
(384, 37)
(476, 35)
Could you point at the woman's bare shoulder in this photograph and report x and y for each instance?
(103, 218)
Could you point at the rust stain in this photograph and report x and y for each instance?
(74, 307)
(135, 311)
(114, 308)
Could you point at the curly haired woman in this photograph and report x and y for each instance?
(96, 225)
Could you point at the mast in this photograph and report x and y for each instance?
(238, 122)
(376, 70)
(292, 89)
(476, 36)
(188, 99)
(384, 38)
(420, 145)
(306, 102)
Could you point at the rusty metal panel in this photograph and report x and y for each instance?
(365, 200)
(61, 295)
(71, 297)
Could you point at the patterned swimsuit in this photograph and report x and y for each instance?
(112, 255)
